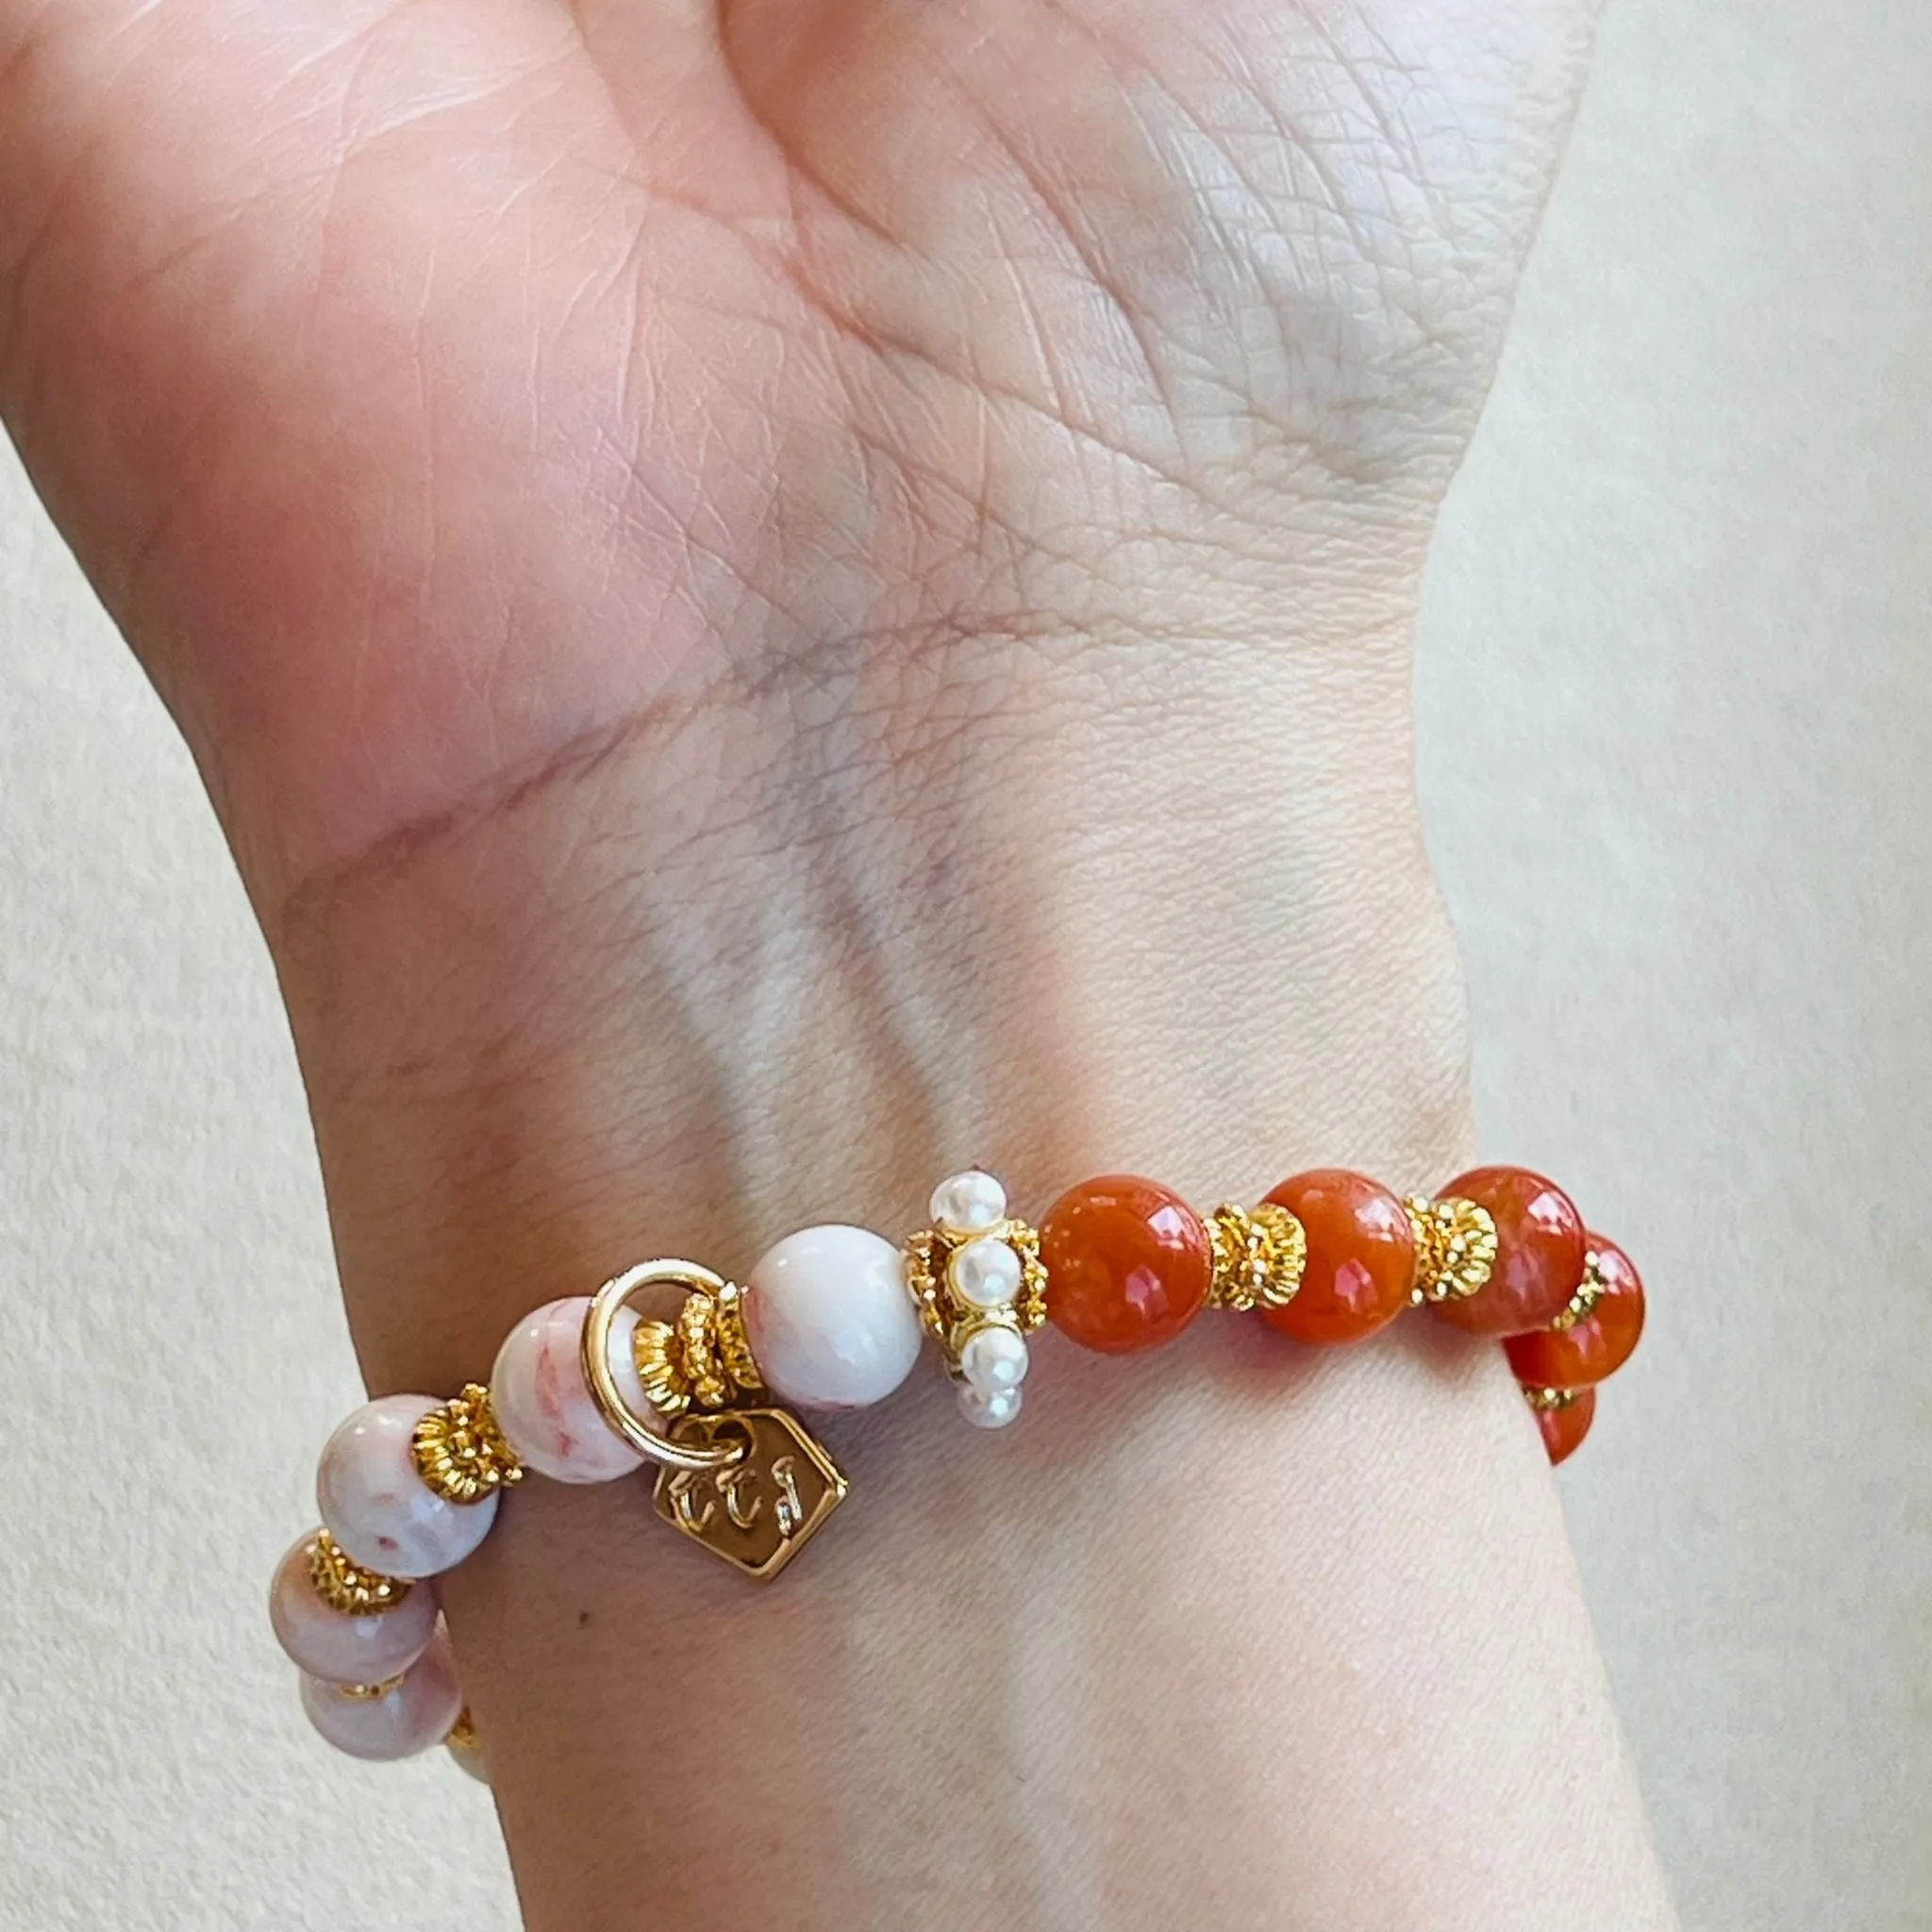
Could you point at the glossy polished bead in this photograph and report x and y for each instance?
(340, 1648)
(544, 1407)
(1595, 1348)
(1563, 1429)
(1360, 1268)
(1539, 1252)
(1127, 1263)
(995, 1357)
(969, 1203)
(829, 1319)
(984, 1274)
(411, 1716)
(379, 1509)
(990, 1409)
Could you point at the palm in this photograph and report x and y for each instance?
(467, 382)
(646, 514)
(777, 596)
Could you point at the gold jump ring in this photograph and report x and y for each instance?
(619, 1293)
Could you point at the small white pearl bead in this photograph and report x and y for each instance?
(411, 1716)
(829, 1319)
(970, 1203)
(989, 1408)
(470, 1762)
(340, 1648)
(994, 1358)
(376, 1505)
(984, 1274)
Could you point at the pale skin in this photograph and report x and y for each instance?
(777, 599)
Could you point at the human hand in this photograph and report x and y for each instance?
(852, 461)
(775, 599)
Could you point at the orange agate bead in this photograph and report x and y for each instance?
(1563, 1429)
(1129, 1263)
(1360, 1268)
(1539, 1252)
(1594, 1347)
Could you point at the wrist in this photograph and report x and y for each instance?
(1208, 1635)
(1213, 1561)
(635, 1007)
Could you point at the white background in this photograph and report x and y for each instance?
(1678, 723)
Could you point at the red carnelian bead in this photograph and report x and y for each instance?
(1127, 1263)
(1595, 1348)
(1539, 1252)
(1361, 1256)
(1563, 1429)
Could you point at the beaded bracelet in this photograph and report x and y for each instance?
(589, 1388)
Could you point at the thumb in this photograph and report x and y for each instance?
(261, 389)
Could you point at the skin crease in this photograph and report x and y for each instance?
(775, 600)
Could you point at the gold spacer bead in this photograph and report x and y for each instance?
(1589, 1292)
(703, 1372)
(462, 1734)
(925, 1259)
(368, 1693)
(660, 1360)
(345, 1586)
(1029, 1305)
(701, 1361)
(461, 1453)
(733, 1344)
(1544, 1400)
(1454, 1248)
(1259, 1255)
(948, 1320)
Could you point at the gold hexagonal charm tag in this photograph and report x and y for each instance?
(759, 1511)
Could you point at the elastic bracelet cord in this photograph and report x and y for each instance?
(589, 1388)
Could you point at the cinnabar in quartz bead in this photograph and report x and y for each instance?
(1361, 1269)
(1597, 1346)
(1540, 1251)
(1127, 1263)
(1563, 1429)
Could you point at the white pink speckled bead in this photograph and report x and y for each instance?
(831, 1324)
(545, 1409)
(339, 1648)
(829, 1319)
(412, 1715)
(379, 1509)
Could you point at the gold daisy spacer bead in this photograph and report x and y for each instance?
(1545, 1400)
(1454, 1248)
(347, 1587)
(369, 1693)
(1589, 1292)
(703, 1359)
(1259, 1255)
(460, 1451)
